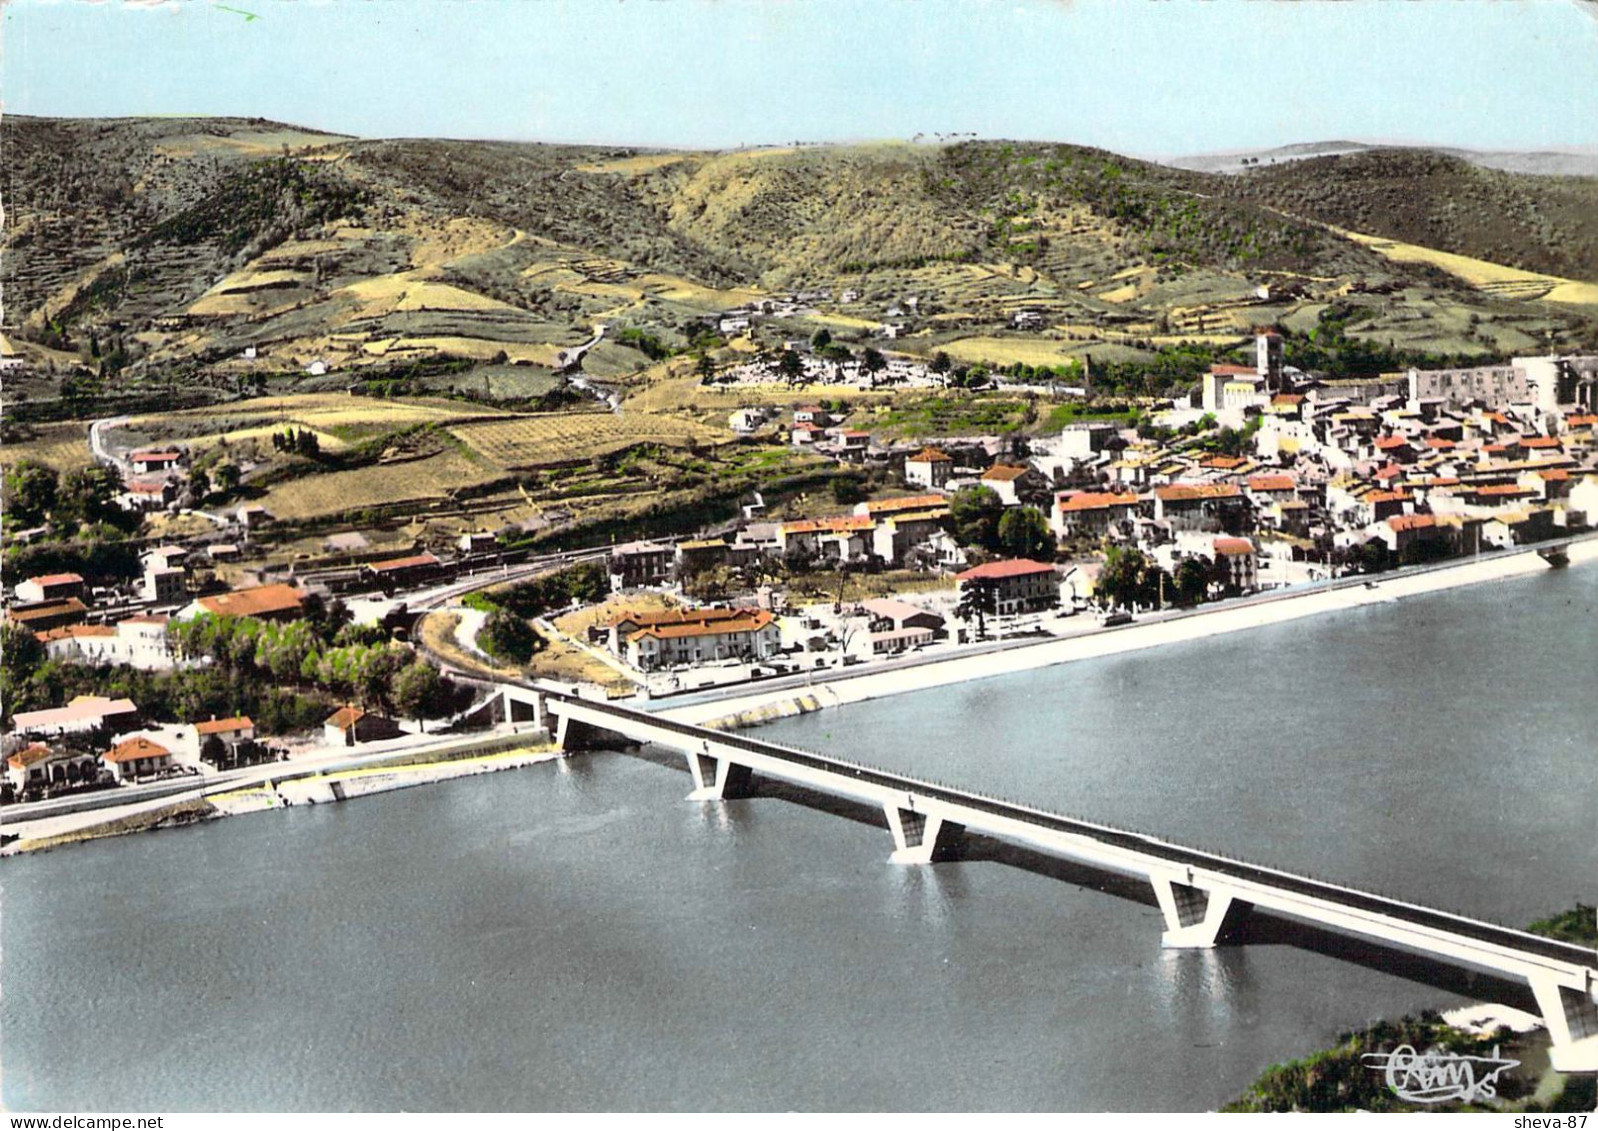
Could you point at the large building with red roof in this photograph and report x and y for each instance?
(1019, 585)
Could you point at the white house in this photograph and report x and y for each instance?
(928, 468)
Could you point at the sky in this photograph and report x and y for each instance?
(1146, 77)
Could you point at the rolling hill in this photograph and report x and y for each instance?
(159, 251)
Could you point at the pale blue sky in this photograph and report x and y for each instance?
(1136, 76)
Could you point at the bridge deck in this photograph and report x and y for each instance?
(645, 726)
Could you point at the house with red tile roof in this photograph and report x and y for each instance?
(1092, 513)
(137, 757)
(277, 602)
(1200, 506)
(351, 725)
(1236, 564)
(1007, 482)
(1019, 585)
(51, 587)
(928, 468)
(751, 635)
(38, 765)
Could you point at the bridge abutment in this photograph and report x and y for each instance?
(919, 838)
(1571, 1015)
(1194, 916)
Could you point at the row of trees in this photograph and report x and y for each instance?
(359, 663)
(30, 681)
(1131, 579)
(84, 496)
(581, 584)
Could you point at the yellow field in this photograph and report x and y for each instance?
(1005, 351)
(1121, 294)
(671, 288)
(60, 446)
(321, 413)
(423, 479)
(546, 438)
(1505, 282)
(847, 321)
(322, 410)
(407, 290)
(295, 249)
(248, 291)
(481, 349)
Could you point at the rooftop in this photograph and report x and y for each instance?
(135, 749)
(1003, 473)
(1188, 492)
(1015, 567)
(217, 726)
(275, 598)
(412, 561)
(58, 579)
(1096, 500)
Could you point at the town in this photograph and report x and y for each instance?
(1264, 478)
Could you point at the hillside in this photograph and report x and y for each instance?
(217, 254)
(1546, 224)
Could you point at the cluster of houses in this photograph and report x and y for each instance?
(97, 741)
(1429, 464)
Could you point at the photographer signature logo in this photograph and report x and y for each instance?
(1433, 1077)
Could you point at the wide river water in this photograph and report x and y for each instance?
(577, 936)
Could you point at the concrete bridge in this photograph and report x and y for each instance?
(1200, 894)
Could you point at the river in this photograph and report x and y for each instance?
(576, 936)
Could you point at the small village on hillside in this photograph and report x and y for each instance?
(1266, 478)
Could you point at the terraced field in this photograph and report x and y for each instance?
(61, 446)
(419, 481)
(336, 416)
(551, 438)
(1490, 278)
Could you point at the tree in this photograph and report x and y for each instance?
(418, 690)
(975, 512)
(1129, 579)
(705, 368)
(509, 638)
(873, 361)
(791, 366)
(821, 339)
(225, 478)
(846, 491)
(941, 363)
(979, 597)
(30, 493)
(88, 494)
(1024, 533)
(199, 485)
(1192, 580)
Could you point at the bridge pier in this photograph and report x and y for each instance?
(1194, 916)
(717, 779)
(1572, 1018)
(919, 838)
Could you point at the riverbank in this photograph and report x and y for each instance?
(837, 689)
(290, 789)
